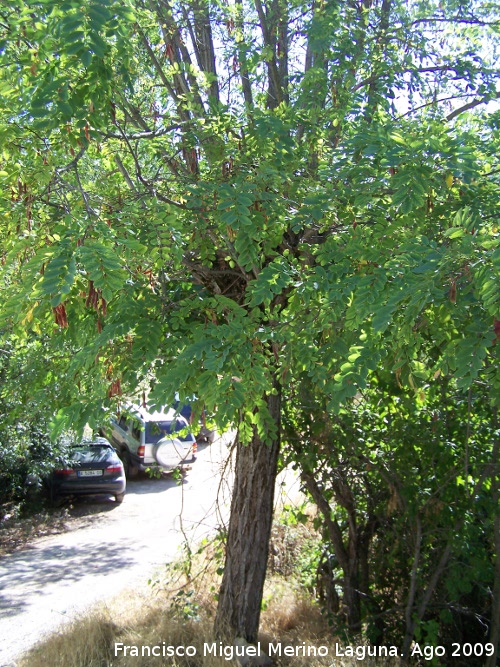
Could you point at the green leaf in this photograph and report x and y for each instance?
(86, 58)
(454, 232)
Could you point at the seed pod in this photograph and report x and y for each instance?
(453, 292)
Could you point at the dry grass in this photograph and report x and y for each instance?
(290, 620)
(184, 617)
(85, 642)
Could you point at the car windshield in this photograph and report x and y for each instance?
(155, 431)
(90, 454)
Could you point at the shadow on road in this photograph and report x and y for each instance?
(82, 506)
(99, 502)
(35, 569)
(142, 485)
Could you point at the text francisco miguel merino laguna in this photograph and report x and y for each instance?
(229, 652)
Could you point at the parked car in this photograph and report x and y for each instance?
(159, 440)
(93, 467)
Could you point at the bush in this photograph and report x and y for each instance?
(26, 457)
(26, 451)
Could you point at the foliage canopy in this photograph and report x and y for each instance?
(225, 198)
(207, 192)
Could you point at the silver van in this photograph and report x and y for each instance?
(158, 440)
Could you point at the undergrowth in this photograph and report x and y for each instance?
(177, 609)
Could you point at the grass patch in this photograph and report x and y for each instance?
(86, 642)
(178, 609)
(290, 620)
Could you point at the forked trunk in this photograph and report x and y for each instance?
(240, 595)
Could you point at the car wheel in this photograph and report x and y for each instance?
(133, 471)
(206, 437)
(119, 497)
(130, 470)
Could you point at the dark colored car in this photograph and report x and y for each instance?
(93, 467)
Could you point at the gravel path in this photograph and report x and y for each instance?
(55, 578)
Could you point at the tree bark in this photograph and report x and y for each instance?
(347, 557)
(240, 595)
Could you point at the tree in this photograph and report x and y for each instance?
(25, 445)
(209, 197)
(406, 539)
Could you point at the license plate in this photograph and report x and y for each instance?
(89, 473)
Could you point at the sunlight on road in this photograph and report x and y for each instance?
(57, 577)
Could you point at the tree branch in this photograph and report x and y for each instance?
(125, 174)
(85, 197)
(275, 92)
(410, 70)
(150, 134)
(242, 57)
(455, 19)
(71, 165)
(333, 527)
(148, 185)
(472, 105)
(160, 72)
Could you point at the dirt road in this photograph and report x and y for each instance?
(57, 577)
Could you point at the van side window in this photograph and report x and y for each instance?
(123, 423)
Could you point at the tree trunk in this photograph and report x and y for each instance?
(352, 600)
(240, 595)
(347, 558)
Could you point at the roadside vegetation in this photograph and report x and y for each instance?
(407, 496)
(179, 607)
(288, 209)
(21, 524)
(28, 453)
(25, 444)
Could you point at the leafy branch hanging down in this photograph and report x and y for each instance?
(219, 199)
